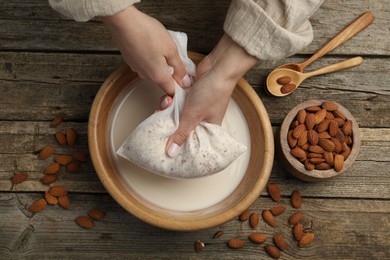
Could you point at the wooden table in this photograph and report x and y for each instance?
(50, 65)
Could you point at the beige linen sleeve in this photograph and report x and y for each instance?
(271, 29)
(84, 10)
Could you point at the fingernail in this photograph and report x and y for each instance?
(173, 150)
(165, 102)
(186, 81)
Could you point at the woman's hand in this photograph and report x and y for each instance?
(208, 98)
(147, 48)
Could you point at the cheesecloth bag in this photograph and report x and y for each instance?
(208, 149)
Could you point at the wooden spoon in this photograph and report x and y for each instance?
(297, 77)
(347, 33)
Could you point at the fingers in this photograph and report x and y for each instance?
(165, 102)
(180, 73)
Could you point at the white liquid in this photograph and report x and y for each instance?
(138, 102)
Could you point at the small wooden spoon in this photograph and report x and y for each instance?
(358, 25)
(297, 77)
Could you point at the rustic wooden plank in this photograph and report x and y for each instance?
(343, 229)
(67, 84)
(21, 24)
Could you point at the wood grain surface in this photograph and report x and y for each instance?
(50, 64)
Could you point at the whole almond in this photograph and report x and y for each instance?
(257, 238)
(73, 167)
(38, 206)
(323, 126)
(84, 222)
(288, 88)
(217, 234)
(301, 116)
(338, 114)
(306, 239)
(245, 215)
(328, 156)
(330, 106)
(199, 245)
(347, 127)
(313, 109)
(298, 231)
(305, 147)
(346, 153)
(314, 155)
(63, 159)
(349, 140)
(80, 156)
(294, 124)
(278, 210)
(303, 139)
(312, 137)
(71, 136)
(327, 144)
(46, 152)
(316, 149)
(298, 152)
(329, 115)
(292, 142)
(57, 191)
(61, 138)
(272, 251)
(340, 121)
(274, 191)
(298, 131)
(310, 121)
(295, 218)
(269, 218)
(338, 163)
(64, 201)
(254, 219)
(280, 242)
(337, 145)
(98, 214)
(19, 177)
(322, 166)
(283, 80)
(296, 199)
(324, 135)
(52, 168)
(235, 243)
(51, 200)
(56, 121)
(333, 128)
(319, 116)
(317, 160)
(49, 179)
(309, 166)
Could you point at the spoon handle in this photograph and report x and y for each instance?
(347, 33)
(336, 67)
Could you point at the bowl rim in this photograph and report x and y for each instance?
(289, 161)
(184, 224)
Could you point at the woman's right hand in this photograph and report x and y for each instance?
(147, 48)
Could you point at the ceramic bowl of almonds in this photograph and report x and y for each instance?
(318, 140)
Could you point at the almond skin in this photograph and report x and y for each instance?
(280, 242)
(278, 210)
(217, 234)
(323, 126)
(313, 109)
(46, 152)
(98, 214)
(310, 121)
(326, 144)
(57, 191)
(324, 135)
(244, 215)
(328, 156)
(235, 243)
(292, 142)
(333, 128)
(330, 106)
(71, 136)
(303, 139)
(269, 218)
(19, 177)
(347, 127)
(51, 200)
(312, 137)
(63, 159)
(257, 238)
(298, 231)
(298, 131)
(306, 239)
(84, 222)
(295, 218)
(274, 191)
(283, 80)
(80, 156)
(199, 245)
(322, 166)
(338, 163)
(309, 166)
(61, 138)
(316, 149)
(38, 206)
(340, 121)
(56, 121)
(319, 116)
(52, 168)
(298, 153)
(254, 219)
(338, 114)
(296, 199)
(301, 116)
(64, 202)
(288, 88)
(272, 251)
(73, 167)
(49, 179)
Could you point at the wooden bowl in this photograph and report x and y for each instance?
(297, 168)
(248, 190)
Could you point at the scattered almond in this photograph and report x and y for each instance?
(272, 251)
(296, 199)
(61, 138)
(219, 233)
(19, 177)
(63, 159)
(38, 206)
(56, 121)
(49, 179)
(57, 191)
(199, 245)
(97, 214)
(51, 200)
(52, 168)
(46, 152)
(278, 210)
(64, 201)
(280, 242)
(245, 215)
(269, 218)
(298, 231)
(254, 219)
(73, 167)
(257, 238)
(80, 156)
(274, 191)
(235, 243)
(306, 239)
(84, 222)
(71, 136)
(295, 218)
